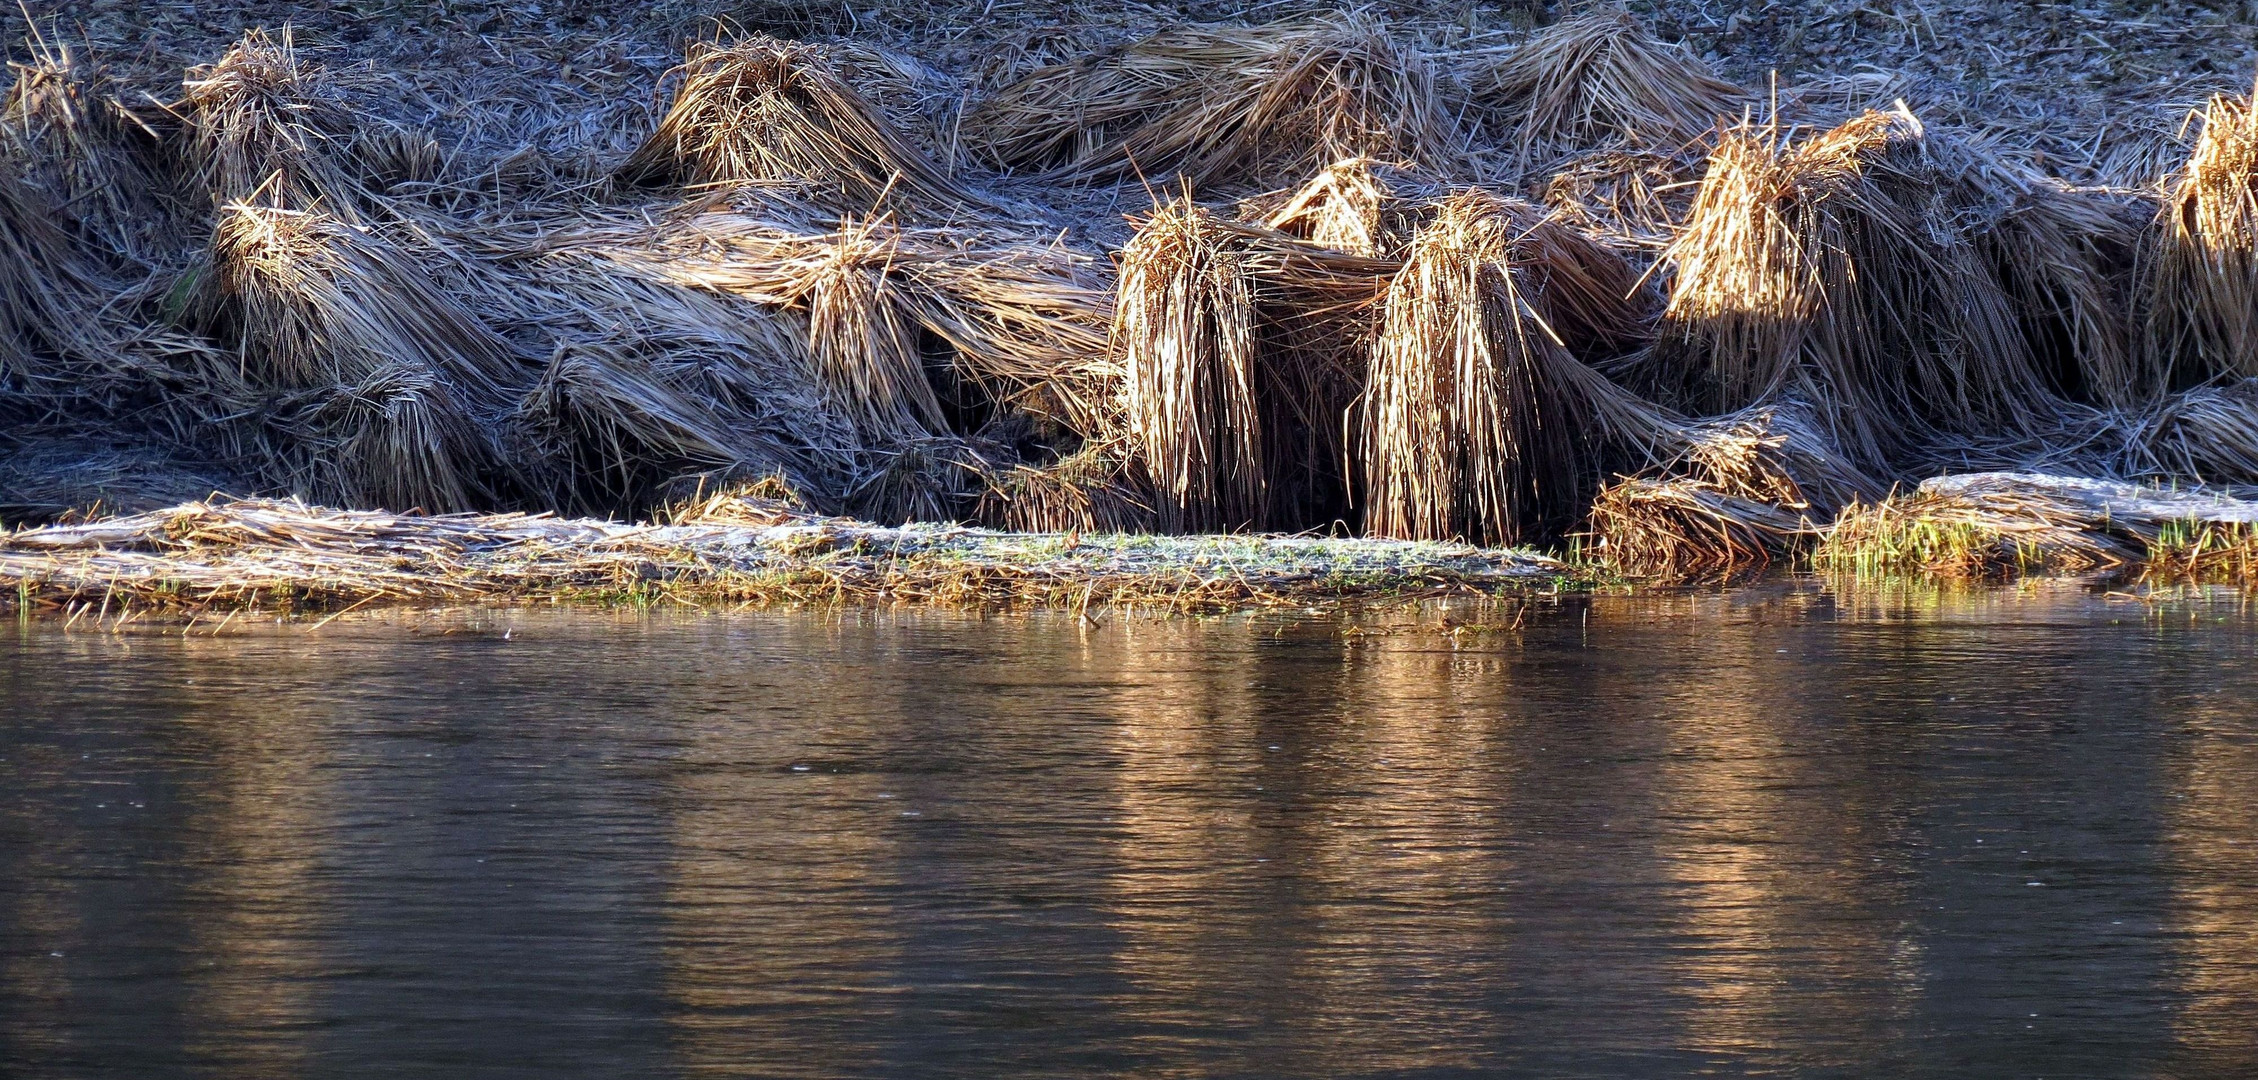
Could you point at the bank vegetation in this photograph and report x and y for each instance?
(1345, 274)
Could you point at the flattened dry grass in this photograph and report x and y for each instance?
(265, 554)
(1946, 537)
(1995, 525)
(1743, 491)
(1209, 105)
(1095, 490)
(1600, 78)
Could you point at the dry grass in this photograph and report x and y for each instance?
(1599, 79)
(1943, 537)
(1991, 524)
(399, 382)
(1470, 426)
(866, 343)
(1638, 198)
(2183, 552)
(2208, 434)
(1841, 268)
(2203, 319)
(773, 113)
(63, 128)
(1679, 529)
(263, 126)
(1351, 206)
(266, 555)
(1243, 350)
(1743, 490)
(2067, 259)
(1096, 490)
(1215, 104)
(1026, 318)
(1185, 329)
(48, 290)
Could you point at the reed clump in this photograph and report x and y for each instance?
(1599, 78)
(1210, 105)
(766, 112)
(1095, 490)
(1741, 492)
(1840, 268)
(2203, 318)
(1472, 423)
(1186, 332)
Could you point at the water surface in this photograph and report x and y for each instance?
(1774, 831)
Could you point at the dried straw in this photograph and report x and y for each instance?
(1842, 268)
(1095, 490)
(1743, 490)
(1213, 104)
(1598, 79)
(1471, 426)
(1347, 207)
(1186, 331)
(405, 378)
(766, 112)
(2203, 318)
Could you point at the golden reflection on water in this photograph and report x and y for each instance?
(261, 899)
(244, 826)
(1354, 829)
(2213, 845)
(1181, 845)
(1415, 767)
(1786, 916)
(1404, 847)
(745, 989)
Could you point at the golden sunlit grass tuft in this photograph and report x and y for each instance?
(1471, 424)
(2203, 318)
(1600, 78)
(1217, 104)
(766, 112)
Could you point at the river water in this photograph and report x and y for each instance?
(1769, 831)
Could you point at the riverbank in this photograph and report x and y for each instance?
(255, 554)
(258, 554)
(1628, 283)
